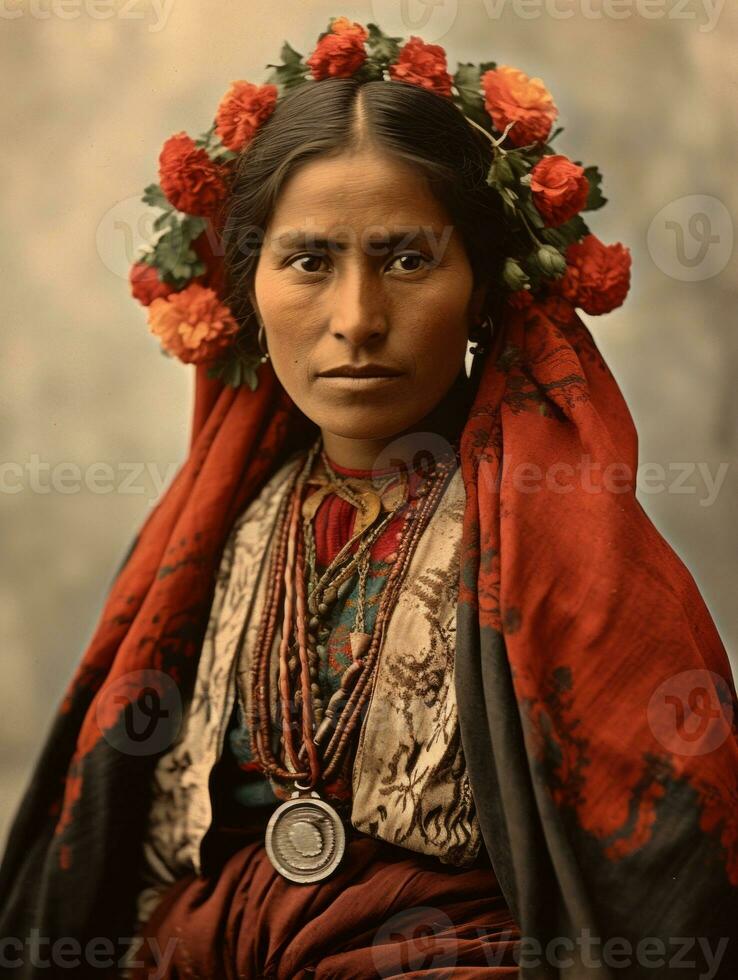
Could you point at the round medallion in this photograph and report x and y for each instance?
(305, 838)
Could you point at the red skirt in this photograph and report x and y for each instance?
(385, 912)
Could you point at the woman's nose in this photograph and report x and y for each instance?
(358, 313)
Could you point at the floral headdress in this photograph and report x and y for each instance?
(179, 276)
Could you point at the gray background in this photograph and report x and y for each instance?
(89, 101)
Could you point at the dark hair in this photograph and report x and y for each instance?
(345, 114)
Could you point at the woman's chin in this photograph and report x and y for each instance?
(363, 423)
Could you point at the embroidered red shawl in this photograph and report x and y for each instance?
(596, 701)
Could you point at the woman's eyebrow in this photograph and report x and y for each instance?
(296, 238)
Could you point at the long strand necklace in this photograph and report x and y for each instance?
(305, 837)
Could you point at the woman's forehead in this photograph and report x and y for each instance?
(357, 192)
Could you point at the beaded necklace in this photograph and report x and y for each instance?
(305, 836)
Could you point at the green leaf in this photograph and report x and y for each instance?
(509, 196)
(155, 196)
(213, 146)
(163, 220)
(595, 199)
(291, 73)
(289, 56)
(192, 226)
(518, 163)
(172, 255)
(501, 174)
(571, 231)
(205, 139)
(532, 213)
(381, 46)
(468, 95)
(467, 76)
(220, 153)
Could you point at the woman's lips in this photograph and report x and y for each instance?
(360, 383)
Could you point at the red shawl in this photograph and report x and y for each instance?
(596, 701)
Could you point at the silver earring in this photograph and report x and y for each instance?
(262, 344)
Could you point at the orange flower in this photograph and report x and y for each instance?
(342, 25)
(242, 110)
(190, 180)
(193, 324)
(559, 188)
(146, 285)
(340, 53)
(510, 96)
(598, 276)
(422, 64)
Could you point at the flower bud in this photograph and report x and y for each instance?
(513, 275)
(550, 261)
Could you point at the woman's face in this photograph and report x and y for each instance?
(360, 264)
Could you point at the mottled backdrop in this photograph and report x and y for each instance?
(92, 88)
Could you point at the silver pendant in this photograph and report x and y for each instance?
(305, 838)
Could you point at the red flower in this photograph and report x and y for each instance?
(510, 96)
(193, 324)
(340, 53)
(422, 64)
(559, 188)
(190, 180)
(242, 110)
(146, 286)
(598, 276)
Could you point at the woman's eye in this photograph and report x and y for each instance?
(412, 257)
(411, 262)
(308, 256)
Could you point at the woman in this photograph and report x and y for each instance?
(427, 647)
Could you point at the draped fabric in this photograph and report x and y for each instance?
(596, 702)
(386, 912)
(596, 699)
